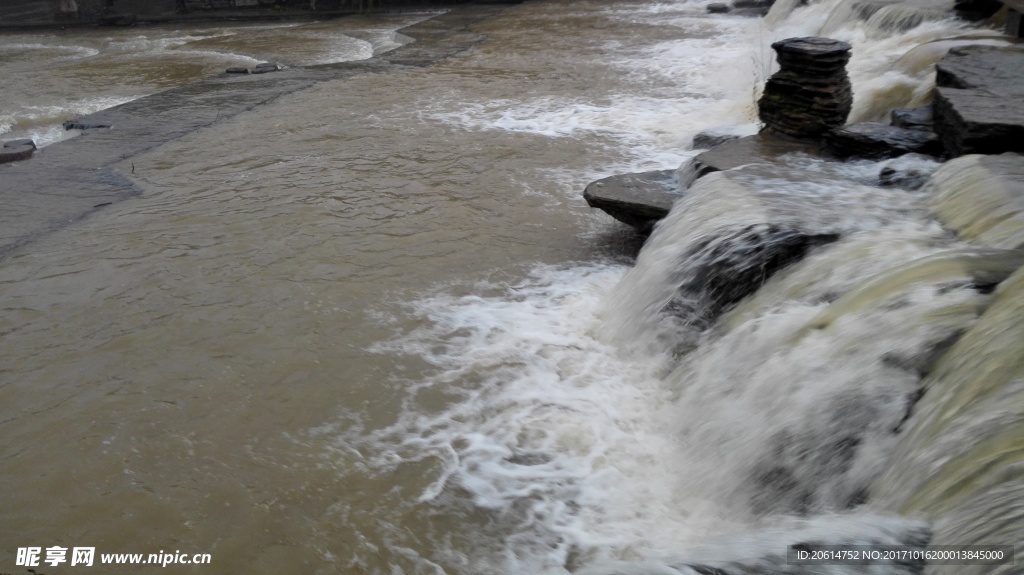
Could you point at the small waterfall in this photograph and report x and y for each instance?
(834, 353)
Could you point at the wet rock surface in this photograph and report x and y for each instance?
(760, 148)
(979, 100)
(876, 141)
(920, 118)
(735, 264)
(16, 150)
(811, 93)
(639, 200)
(710, 139)
(36, 194)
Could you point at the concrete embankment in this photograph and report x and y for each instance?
(68, 180)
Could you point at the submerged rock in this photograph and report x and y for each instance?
(979, 100)
(639, 200)
(84, 125)
(710, 139)
(237, 70)
(811, 92)
(718, 8)
(920, 118)
(874, 140)
(734, 264)
(909, 172)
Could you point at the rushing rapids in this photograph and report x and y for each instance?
(390, 340)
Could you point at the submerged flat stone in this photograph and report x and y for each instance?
(639, 200)
(979, 100)
(875, 141)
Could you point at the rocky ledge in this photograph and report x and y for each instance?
(639, 200)
(979, 100)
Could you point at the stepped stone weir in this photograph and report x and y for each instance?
(811, 93)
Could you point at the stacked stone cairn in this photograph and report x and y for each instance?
(811, 93)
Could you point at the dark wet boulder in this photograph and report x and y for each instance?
(264, 67)
(16, 150)
(920, 118)
(639, 200)
(237, 70)
(979, 100)
(875, 141)
(753, 3)
(811, 93)
(730, 266)
(718, 8)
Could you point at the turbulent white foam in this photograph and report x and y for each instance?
(545, 413)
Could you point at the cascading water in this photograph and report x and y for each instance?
(759, 398)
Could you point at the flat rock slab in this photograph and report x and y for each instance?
(876, 141)
(16, 153)
(760, 148)
(639, 200)
(979, 100)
